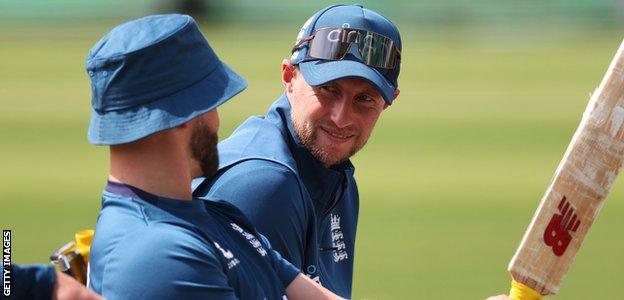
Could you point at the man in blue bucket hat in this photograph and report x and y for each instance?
(289, 171)
(156, 85)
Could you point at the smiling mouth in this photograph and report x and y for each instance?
(339, 137)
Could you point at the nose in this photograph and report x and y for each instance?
(341, 112)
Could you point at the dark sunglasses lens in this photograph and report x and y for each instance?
(327, 45)
(333, 43)
(377, 50)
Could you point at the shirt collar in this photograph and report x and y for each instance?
(129, 191)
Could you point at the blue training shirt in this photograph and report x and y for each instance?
(150, 247)
(308, 212)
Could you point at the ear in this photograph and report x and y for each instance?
(288, 72)
(395, 94)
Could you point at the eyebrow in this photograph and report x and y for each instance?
(368, 87)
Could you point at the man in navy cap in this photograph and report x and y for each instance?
(156, 84)
(289, 171)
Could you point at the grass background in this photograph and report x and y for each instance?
(448, 182)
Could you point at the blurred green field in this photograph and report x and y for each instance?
(448, 182)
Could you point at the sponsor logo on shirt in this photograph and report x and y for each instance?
(250, 238)
(311, 273)
(232, 261)
(338, 244)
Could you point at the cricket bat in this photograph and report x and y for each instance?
(576, 193)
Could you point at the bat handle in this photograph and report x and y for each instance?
(520, 291)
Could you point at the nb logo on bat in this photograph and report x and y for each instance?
(557, 233)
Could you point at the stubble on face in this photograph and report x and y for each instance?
(311, 115)
(307, 132)
(203, 145)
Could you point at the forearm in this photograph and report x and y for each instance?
(303, 288)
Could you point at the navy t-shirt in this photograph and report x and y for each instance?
(147, 246)
(308, 212)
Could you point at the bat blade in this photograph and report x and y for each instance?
(577, 191)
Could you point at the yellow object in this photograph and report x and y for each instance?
(73, 258)
(83, 243)
(520, 291)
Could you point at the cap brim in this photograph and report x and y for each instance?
(124, 126)
(319, 72)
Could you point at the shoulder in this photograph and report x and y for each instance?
(272, 168)
(254, 179)
(157, 260)
(265, 192)
(162, 241)
(161, 247)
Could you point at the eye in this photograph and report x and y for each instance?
(366, 99)
(328, 88)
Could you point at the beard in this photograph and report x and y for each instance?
(308, 135)
(203, 146)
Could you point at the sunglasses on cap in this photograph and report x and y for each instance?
(376, 50)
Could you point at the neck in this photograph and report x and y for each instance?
(158, 164)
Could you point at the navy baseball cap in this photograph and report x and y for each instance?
(320, 71)
(153, 74)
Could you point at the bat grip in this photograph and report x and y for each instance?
(520, 291)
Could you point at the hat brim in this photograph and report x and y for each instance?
(319, 72)
(124, 126)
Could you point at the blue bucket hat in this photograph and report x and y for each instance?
(318, 72)
(153, 74)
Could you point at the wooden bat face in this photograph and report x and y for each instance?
(578, 189)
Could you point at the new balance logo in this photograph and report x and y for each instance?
(557, 233)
